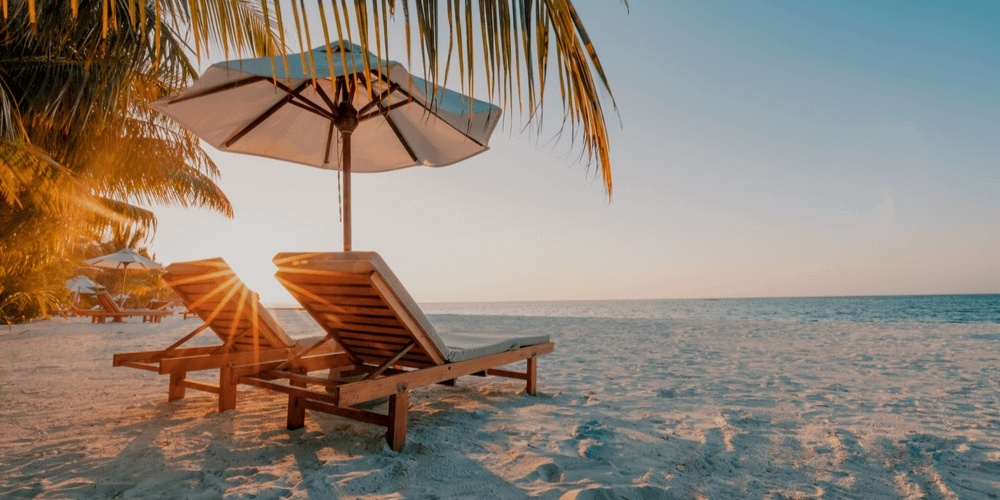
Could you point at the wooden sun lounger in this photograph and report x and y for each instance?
(99, 315)
(390, 348)
(111, 309)
(250, 335)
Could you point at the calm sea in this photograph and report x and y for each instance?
(911, 308)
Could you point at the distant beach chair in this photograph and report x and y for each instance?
(249, 333)
(110, 309)
(390, 346)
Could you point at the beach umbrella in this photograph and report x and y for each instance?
(394, 120)
(81, 284)
(123, 259)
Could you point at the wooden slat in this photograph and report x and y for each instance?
(387, 294)
(409, 360)
(298, 377)
(375, 349)
(323, 308)
(333, 305)
(365, 337)
(352, 300)
(375, 329)
(140, 366)
(290, 390)
(507, 373)
(351, 319)
(309, 278)
(357, 291)
(351, 413)
(308, 363)
(211, 361)
(367, 390)
(198, 386)
(371, 350)
(155, 356)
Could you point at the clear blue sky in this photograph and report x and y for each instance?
(764, 149)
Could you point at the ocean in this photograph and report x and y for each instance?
(872, 309)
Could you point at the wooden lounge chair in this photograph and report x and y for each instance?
(250, 335)
(390, 346)
(97, 315)
(111, 309)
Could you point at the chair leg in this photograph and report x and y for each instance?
(227, 389)
(296, 409)
(532, 385)
(296, 413)
(399, 406)
(176, 389)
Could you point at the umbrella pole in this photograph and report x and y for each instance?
(124, 275)
(346, 136)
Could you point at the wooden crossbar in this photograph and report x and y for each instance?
(298, 377)
(290, 390)
(367, 390)
(507, 374)
(199, 386)
(367, 417)
(378, 371)
(140, 366)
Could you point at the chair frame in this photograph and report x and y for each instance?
(231, 296)
(110, 309)
(338, 392)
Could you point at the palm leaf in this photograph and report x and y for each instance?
(504, 44)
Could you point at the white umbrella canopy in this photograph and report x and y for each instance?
(123, 259)
(394, 121)
(81, 284)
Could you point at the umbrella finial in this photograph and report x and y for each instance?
(346, 118)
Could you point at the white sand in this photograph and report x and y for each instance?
(630, 409)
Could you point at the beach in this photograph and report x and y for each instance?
(627, 408)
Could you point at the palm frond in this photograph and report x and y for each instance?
(507, 45)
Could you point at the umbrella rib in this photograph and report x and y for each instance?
(384, 110)
(378, 102)
(402, 140)
(264, 116)
(345, 94)
(422, 105)
(303, 102)
(311, 109)
(326, 98)
(220, 88)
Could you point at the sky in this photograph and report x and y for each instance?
(759, 149)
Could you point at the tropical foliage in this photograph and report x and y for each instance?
(512, 46)
(141, 287)
(80, 150)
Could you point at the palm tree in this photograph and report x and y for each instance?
(79, 147)
(508, 45)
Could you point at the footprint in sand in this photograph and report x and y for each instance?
(592, 436)
(592, 430)
(550, 473)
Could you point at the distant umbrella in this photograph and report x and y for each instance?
(123, 259)
(81, 284)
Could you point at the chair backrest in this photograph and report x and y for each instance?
(357, 299)
(210, 289)
(108, 302)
